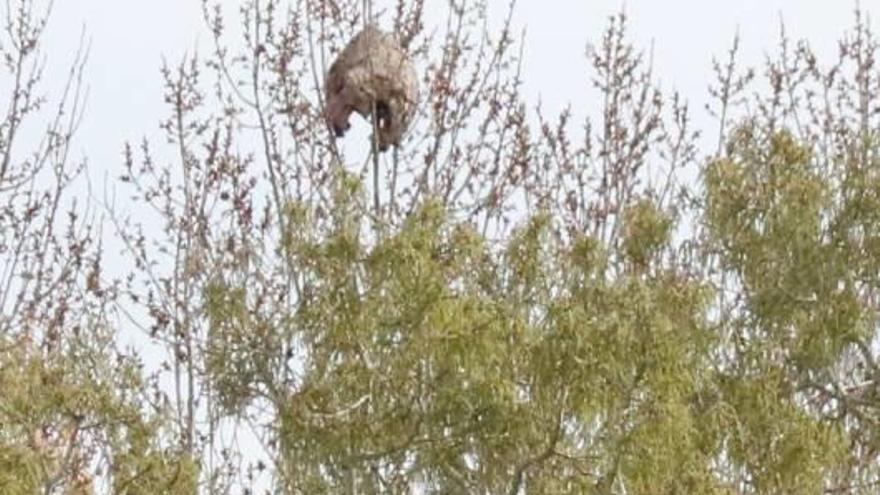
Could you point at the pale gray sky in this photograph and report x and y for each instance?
(130, 37)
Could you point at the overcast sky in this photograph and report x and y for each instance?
(130, 37)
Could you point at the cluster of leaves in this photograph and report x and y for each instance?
(437, 361)
(63, 413)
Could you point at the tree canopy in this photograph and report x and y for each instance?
(508, 303)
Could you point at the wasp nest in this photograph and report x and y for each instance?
(372, 73)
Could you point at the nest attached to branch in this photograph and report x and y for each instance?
(372, 74)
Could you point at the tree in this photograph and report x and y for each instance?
(72, 405)
(500, 305)
(788, 215)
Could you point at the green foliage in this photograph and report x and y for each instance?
(647, 230)
(142, 469)
(783, 448)
(233, 341)
(54, 413)
(777, 223)
(768, 210)
(433, 356)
